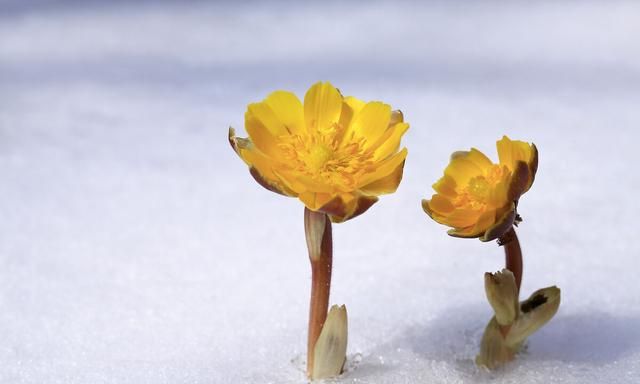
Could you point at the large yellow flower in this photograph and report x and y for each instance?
(335, 153)
(478, 198)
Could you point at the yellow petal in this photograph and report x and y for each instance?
(434, 215)
(441, 205)
(386, 184)
(466, 233)
(499, 196)
(269, 184)
(259, 161)
(426, 208)
(521, 151)
(479, 159)
(300, 183)
(504, 151)
(354, 104)
(384, 168)
(314, 185)
(461, 218)
(315, 200)
(446, 186)
(322, 107)
(288, 181)
(390, 141)
(512, 151)
(308, 199)
(371, 122)
(484, 221)
(263, 128)
(461, 169)
(288, 109)
(350, 107)
(261, 168)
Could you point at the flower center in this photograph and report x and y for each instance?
(318, 157)
(478, 192)
(323, 157)
(479, 188)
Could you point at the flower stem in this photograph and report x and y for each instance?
(513, 255)
(317, 228)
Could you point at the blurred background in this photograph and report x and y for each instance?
(136, 248)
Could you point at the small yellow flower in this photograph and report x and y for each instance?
(478, 198)
(336, 154)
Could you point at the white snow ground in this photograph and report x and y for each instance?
(136, 248)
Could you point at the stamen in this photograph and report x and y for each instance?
(321, 156)
(477, 193)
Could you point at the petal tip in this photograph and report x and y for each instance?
(396, 117)
(425, 207)
(232, 138)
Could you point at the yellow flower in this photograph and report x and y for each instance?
(478, 198)
(336, 154)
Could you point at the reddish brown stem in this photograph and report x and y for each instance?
(513, 255)
(319, 243)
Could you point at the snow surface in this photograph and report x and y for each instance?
(136, 248)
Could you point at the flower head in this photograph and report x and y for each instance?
(478, 198)
(336, 154)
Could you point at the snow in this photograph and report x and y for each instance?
(136, 248)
